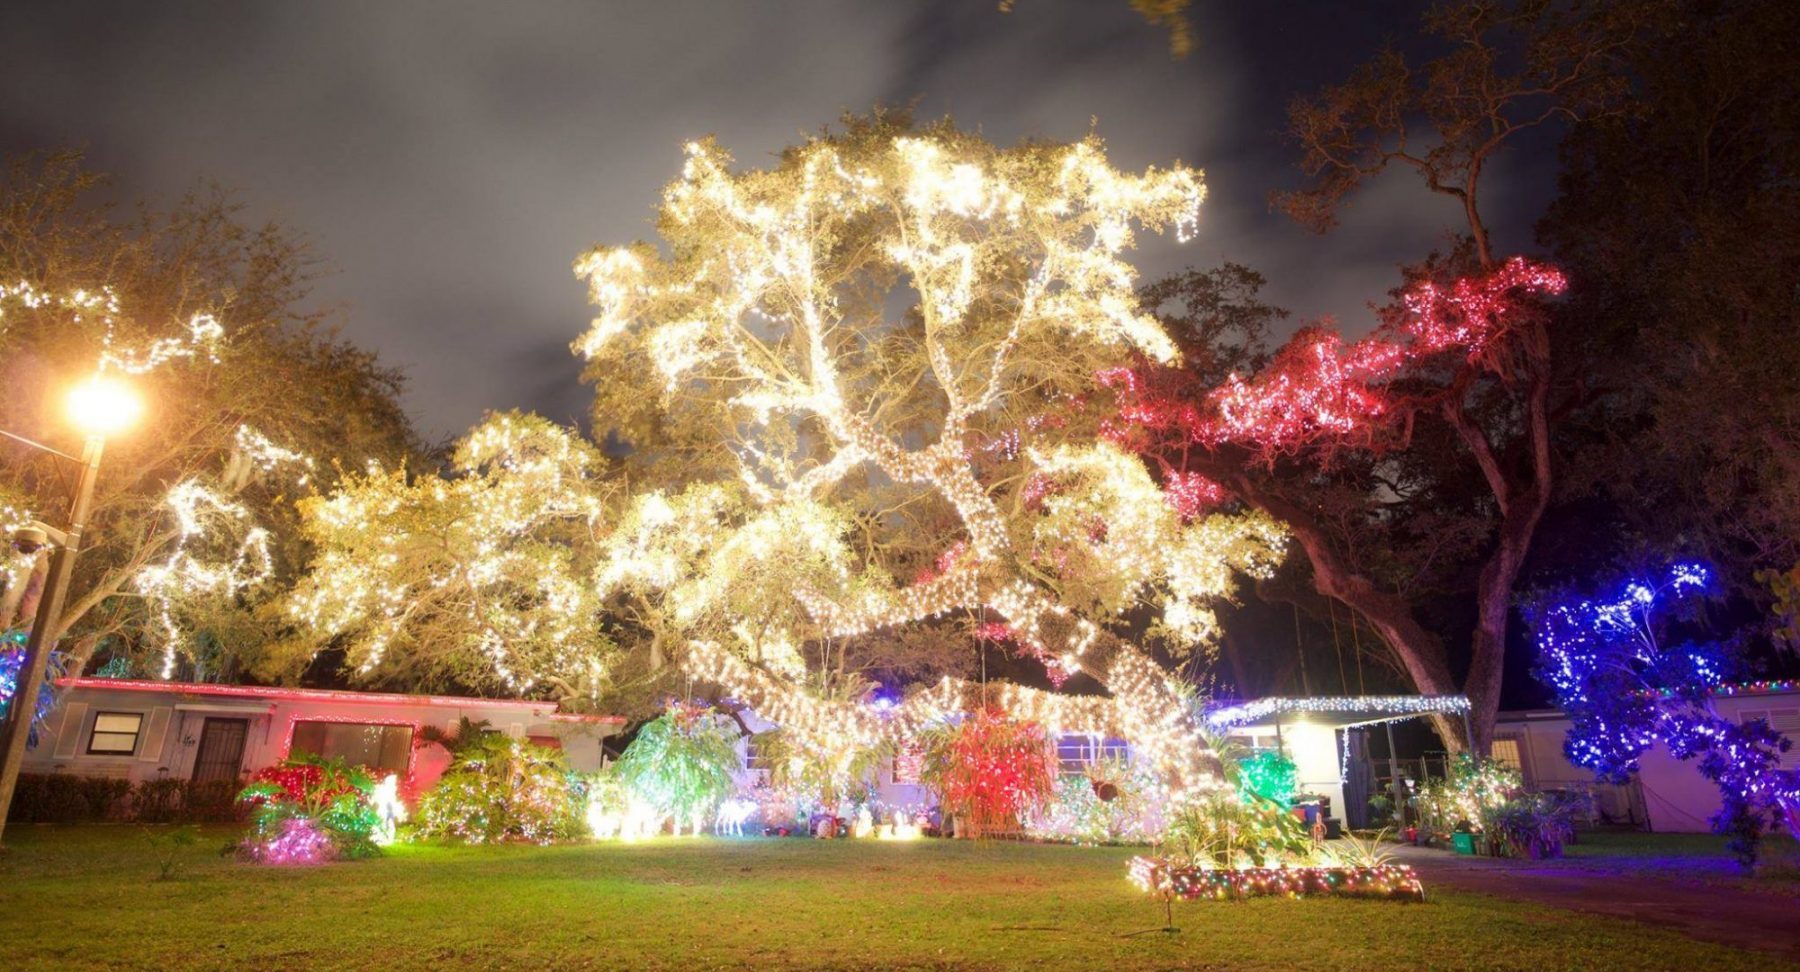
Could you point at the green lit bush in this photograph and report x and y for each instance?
(309, 810)
(504, 789)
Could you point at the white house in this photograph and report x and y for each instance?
(1668, 794)
(149, 730)
(1324, 736)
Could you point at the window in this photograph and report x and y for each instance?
(115, 733)
(1076, 752)
(1506, 752)
(375, 747)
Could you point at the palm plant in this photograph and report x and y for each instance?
(682, 763)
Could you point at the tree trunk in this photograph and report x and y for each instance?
(1420, 652)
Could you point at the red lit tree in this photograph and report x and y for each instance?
(1428, 443)
(1326, 436)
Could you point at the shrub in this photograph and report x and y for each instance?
(501, 789)
(62, 798)
(682, 763)
(1533, 825)
(1111, 803)
(1269, 774)
(185, 801)
(989, 771)
(310, 810)
(1227, 829)
(1473, 788)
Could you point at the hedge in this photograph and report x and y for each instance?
(62, 798)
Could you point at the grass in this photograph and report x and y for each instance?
(1698, 858)
(86, 898)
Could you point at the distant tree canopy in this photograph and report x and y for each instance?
(1679, 225)
(252, 401)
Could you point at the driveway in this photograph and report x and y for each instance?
(1768, 920)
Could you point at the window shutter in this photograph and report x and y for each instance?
(69, 735)
(151, 749)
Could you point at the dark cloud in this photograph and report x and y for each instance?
(451, 160)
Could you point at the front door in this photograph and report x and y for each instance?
(221, 752)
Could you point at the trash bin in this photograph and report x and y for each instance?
(1463, 842)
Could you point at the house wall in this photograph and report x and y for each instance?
(1318, 766)
(1670, 795)
(172, 723)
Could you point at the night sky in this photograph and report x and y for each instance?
(449, 161)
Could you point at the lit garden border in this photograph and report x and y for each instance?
(1395, 882)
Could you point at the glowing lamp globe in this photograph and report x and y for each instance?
(104, 406)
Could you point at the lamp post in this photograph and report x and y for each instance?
(98, 407)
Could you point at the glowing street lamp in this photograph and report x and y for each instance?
(101, 406)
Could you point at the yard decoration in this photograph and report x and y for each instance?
(1626, 690)
(504, 789)
(309, 810)
(1113, 802)
(682, 764)
(990, 771)
(1268, 773)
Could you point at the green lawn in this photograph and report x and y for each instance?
(77, 898)
(1698, 858)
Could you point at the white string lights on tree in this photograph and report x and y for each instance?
(494, 562)
(1003, 248)
(200, 337)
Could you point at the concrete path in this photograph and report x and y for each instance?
(1762, 920)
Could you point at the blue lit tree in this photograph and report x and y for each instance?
(12, 658)
(1626, 691)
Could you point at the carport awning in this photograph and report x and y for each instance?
(1337, 711)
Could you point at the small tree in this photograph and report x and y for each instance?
(990, 771)
(1625, 691)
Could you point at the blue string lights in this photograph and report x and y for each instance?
(1626, 691)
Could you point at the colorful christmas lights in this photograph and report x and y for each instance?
(1625, 691)
(1395, 882)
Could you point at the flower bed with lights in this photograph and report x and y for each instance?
(1395, 882)
(1236, 844)
(309, 811)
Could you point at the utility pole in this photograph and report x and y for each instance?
(16, 728)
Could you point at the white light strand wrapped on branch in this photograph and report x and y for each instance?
(762, 302)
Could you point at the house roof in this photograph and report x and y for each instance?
(341, 696)
(1336, 711)
(1729, 690)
